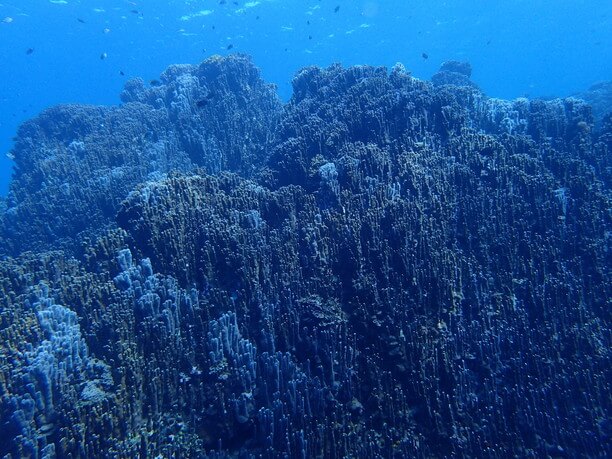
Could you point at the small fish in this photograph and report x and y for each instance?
(425, 56)
(103, 56)
(155, 83)
(336, 9)
(202, 103)
(222, 2)
(29, 51)
(82, 21)
(310, 37)
(230, 46)
(134, 11)
(7, 20)
(121, 73)
(106, 30)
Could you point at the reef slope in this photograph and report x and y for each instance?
(381, 267)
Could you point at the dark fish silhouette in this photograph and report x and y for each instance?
(205, 100)
(154, 83)
(29, 51)
(121, 73)
(82, 21)
(230, 46)
(336, 9)
(425, 56)
(135, 11)
(103, 56)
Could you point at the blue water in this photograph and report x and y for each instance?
(51, 50)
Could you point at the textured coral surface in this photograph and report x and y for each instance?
(382, 267)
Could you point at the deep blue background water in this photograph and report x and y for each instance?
(516, 47)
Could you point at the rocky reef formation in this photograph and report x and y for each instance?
(382, 267)
(599, 97)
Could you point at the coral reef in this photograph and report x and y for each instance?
(454, 72)
(599, 97)
(382, 267)
(218, 115)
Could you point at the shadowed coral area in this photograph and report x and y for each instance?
(381, 267)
